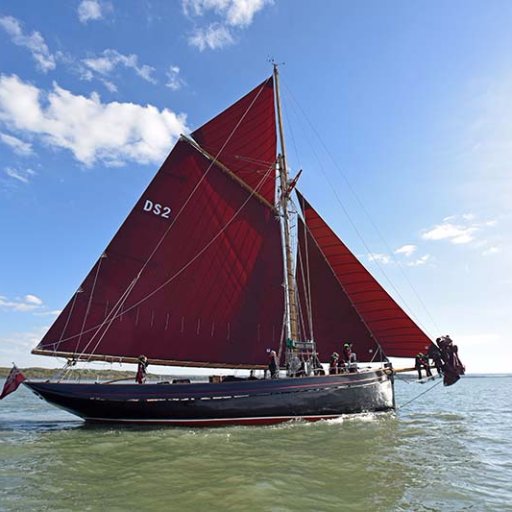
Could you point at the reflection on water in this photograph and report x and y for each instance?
(447, 451)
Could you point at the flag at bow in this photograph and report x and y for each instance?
(14, 379)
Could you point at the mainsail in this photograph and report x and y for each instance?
(346, 302)
(243, 138)
(194, 275)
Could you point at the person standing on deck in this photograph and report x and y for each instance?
(140, 378)
(273, 365)
(333, 363)
(349, 358)
(318, 369)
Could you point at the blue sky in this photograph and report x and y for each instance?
(398, 112)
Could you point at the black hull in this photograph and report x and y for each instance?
(239, 402)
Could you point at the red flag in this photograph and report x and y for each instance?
(14, 379)
(291, 185)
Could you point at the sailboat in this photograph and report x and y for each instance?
(214, 268)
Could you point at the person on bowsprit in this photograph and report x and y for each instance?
(435, 354)
(453, 367)
(349, 358)
(142, 366)
(421, 362)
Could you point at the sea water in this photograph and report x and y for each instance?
(448, 450)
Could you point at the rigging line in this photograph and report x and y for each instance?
(107, 327)
(108, 321)
(90, 301)
(281, 339)
(210, 166)
(252, 161)
(358, 232)
(361, 205)
(302, 325)
(68, 318)
(420, 395)
(307, 295)
(308, 279)
(174, 276)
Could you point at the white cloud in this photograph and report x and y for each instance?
(456, 234)
(33, 299)
(406, 250)
(110, 59)
(89, 10)
(458, 230)
(174, 81)
(24, 304)
(214, 36)
(33, 42)
(223, 16)
(491, 250)
(111, 86)
(379, 258)
(113, 133)
(23, 175)
(236, 13)
(55, 312)
(419, 261)
(18, 146)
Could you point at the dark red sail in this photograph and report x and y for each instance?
(243, 138)
(348, 304)
(193, 276)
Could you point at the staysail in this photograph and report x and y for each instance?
(347, 303)
(194, 275)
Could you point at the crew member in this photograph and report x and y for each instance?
(140, 378)
(435, 354)
(453, 367)
(318, 369)
(333, 363)
(421, 361)
(349, 358)
(273, 365)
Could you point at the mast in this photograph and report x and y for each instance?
(292, 331)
